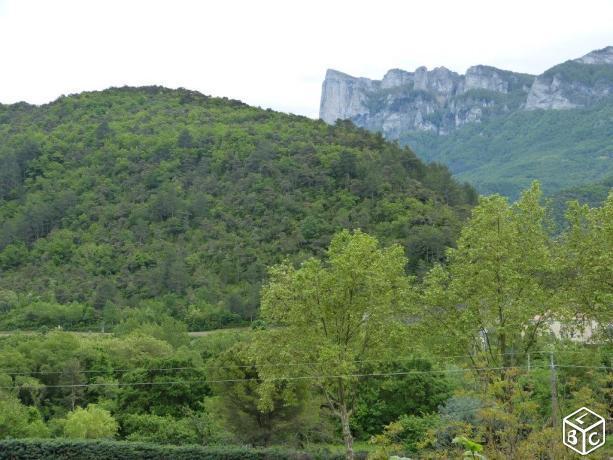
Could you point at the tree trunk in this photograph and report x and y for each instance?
(347, 436)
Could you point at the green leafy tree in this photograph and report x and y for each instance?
(169, 392)
(72, 378)
(333, 315)
(586, 261)
(161, 430)
(382, 400)
(473, 448)
(19, 421)
(93, 422)
(493, 299)
(239, 385)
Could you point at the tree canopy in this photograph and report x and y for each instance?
(334, 315)
(112, 199)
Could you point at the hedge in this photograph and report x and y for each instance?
(64, 449)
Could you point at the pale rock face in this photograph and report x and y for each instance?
(424, 100)
(557, 90)
(399, 114)
(548, 94)
(396, 77)
(603, 56)
(482, 77)
(421, 78)
(343, 96)
(439, 80)
(440, 100)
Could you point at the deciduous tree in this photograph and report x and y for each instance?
(327, 317)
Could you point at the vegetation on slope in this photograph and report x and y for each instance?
(340, 353)
(177, 202)
(593, 195)
(504, 154)
(588, 74)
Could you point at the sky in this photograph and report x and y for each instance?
(274, 54)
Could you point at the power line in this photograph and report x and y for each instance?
(583, 367)
(301, 377)
(248, 366)
(289, 378)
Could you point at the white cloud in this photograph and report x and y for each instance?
(275, 53)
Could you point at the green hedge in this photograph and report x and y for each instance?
(55, 449)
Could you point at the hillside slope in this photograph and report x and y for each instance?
(593, 195)
(497, 129)
(167, 198)
(560, 148)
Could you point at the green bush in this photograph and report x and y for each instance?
(55, 449)
(159, 429)
(19, 420)
(91, 422)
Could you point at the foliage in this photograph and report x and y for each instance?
(586, 260)
(17, 420)
(472, 448)
(93, 422)
(588, 74)
(406, 435)
(489, 300)
(592, 194)
(111, 199)
(505, 153)
(168, 393)
(340, 350)
(239, 387)
(544, 444)
(416, 389)
(334, 316)
(56, 449)
(167, 429)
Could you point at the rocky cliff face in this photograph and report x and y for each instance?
(603, 56)
(437, 100)
(440, 100)
(577, 83)
(344, 96)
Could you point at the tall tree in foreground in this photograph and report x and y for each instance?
(586, 260)
(492, 299)
(327, 318)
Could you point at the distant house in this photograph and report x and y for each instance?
(581, 332)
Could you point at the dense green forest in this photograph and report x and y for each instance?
(505, 153)
(593, 194)
(351, 356)
(361, 304)
(139, 203)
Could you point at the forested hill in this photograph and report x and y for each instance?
(594, 195)
(149, 199)
(504, 154)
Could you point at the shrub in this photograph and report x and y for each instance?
(91, 422)
(61, 449)
(19, 420)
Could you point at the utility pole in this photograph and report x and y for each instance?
(528, 362)
(555, 408)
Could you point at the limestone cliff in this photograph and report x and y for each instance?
(573, 84)
(440, 100)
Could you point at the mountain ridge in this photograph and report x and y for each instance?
(440, 100)
(496, 129)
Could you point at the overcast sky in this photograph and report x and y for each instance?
(275, 54)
